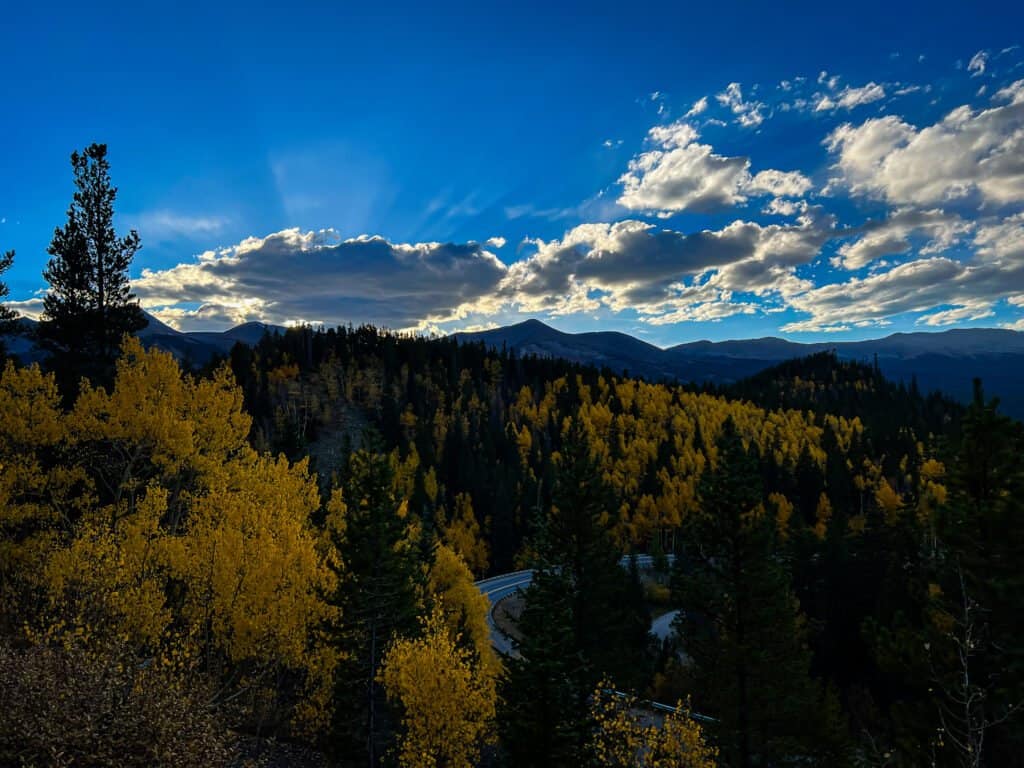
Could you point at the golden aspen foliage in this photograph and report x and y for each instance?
(625, 737)
(822, 516)
(931, 492)
(191, 544)
(524, 440)
(37, 503)
(653, 442)
(890, 502)
(462, 533)
(447, 701)
(249, 558)
(405, 471)
(114, 576)
(463, 606)
(783, 513)
(430, 484)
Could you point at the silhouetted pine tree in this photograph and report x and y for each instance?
(89, 306)
(378, 572)
(7, 315)
(977, 568)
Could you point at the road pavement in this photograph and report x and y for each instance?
(498, 587)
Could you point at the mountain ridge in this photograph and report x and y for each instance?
(936, 360)
(943, 360)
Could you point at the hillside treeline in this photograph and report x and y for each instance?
(859, 477)
(151, 522)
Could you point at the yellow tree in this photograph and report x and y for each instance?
(464, 608)
(447, 701)
(194, 546)
(626, 737)
(462, 533)
(38, 499)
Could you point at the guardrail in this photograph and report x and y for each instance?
(657, 705)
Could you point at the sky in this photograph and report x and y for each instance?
(675, 171)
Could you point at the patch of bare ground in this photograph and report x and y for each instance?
(506, 615)
(268, 753)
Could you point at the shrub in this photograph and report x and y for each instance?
(100, 708)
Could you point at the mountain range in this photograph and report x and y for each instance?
(197, 347)
(945, 360)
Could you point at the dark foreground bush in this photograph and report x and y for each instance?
(78, 708)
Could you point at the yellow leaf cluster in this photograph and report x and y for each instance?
(625, 737)
(462, 605)
(636, 430)
(462, 533)
(447, 701)
(161, 525)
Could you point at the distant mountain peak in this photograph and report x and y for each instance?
(155, 326)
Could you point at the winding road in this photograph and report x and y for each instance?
(496, 588)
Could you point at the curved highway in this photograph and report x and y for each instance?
(496, 588)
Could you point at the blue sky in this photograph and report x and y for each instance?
(675, 172)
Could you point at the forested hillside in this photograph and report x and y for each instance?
(869, 526)
(859, 477)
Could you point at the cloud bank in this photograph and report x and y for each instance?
(889, 218)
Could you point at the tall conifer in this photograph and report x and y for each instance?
(583, 619)
(741, 629)
(378, 571)
(7, 315)
(89, 306)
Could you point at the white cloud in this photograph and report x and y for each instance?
(905, 288)
(866, 94)
(892, 237)
(166, 224)
(965, 313)
(779, 184)
(966, 153)
(824, 104)
(682, 174)
(781, 207)
(850, 98)
(699, 106)
(665, 276)
(829, 82)
(31, 308)
(748, 112)
(978, 63)
(294, 276)
(967, 290)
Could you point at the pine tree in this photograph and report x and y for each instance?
(378, 570)
(89, 306)
(543, 718)
(741, 628)
(583, 620)
(7, 315)
(975, 649)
